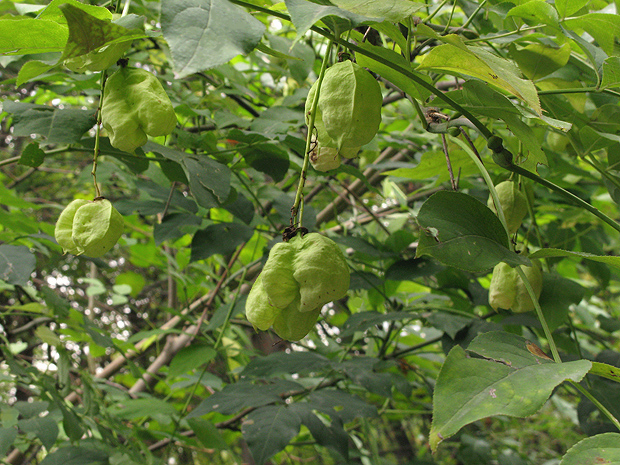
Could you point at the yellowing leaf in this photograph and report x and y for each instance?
(457, 58)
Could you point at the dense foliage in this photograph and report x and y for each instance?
(191, 119)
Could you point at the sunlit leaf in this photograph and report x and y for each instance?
(510, 381)
(602, 448)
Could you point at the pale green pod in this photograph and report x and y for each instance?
(325, 158)
(503, 288)
(322, 137)
(258, 310)
(64, 226)
(277, 275)
(293, 325)
(523, 301)
(299, 277)
(97, 226)
(320, 270)
(508, 291)
(513, 202)
(350, 102)
(349, 152)
(135, 105)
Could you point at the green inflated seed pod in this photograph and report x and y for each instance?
(277, 275)
(508, 291)
(258, 310)
(503, 288)
(293, 325)
(321, 137)
(350, 102)
(97, 226)
(349, 152)
(513, 202)
(320, 270)
(299, 277)
(64, 226)
(325, 158)
(523, 301)
(135, 105)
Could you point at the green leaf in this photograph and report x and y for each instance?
(7, 434)
(599, 449)
(454, 57)
(362, 321)
(605, 28)
(205, 34)
(461, 232)
(402, 82)
(76, 456)
(175, 226)
(122, 289)
(568, 7)
(330, 435)
(390, 10)
(241, 207)
(306, 14)
(221, 238)
(558, 293)
(507, 348)
(244, 394)
(277, 120)
(70, 421)
(26, 36)
(486, 101)
(611, 73)
(300, 65)
(268, 430)
(412, 269)
(45, 428)
(340, 404)
(132, 279)
(190, 358)
(550, 252)
(536, 12)
(11, 199)
(142, 408)
(53, 11)
(207, 434)
(267, 158)
(16, 264)
(137, 163)
(32, 69)
(58, 126)
(32, 155)
(59, 306)
(433, 165)
(209, 180)
(29, 410)
(208, 174)
(606, 371)
(88, 33)
(512, 381)
(288, 363)
(361, 370)
(364, 280)
(539, 60)
(48, 336)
